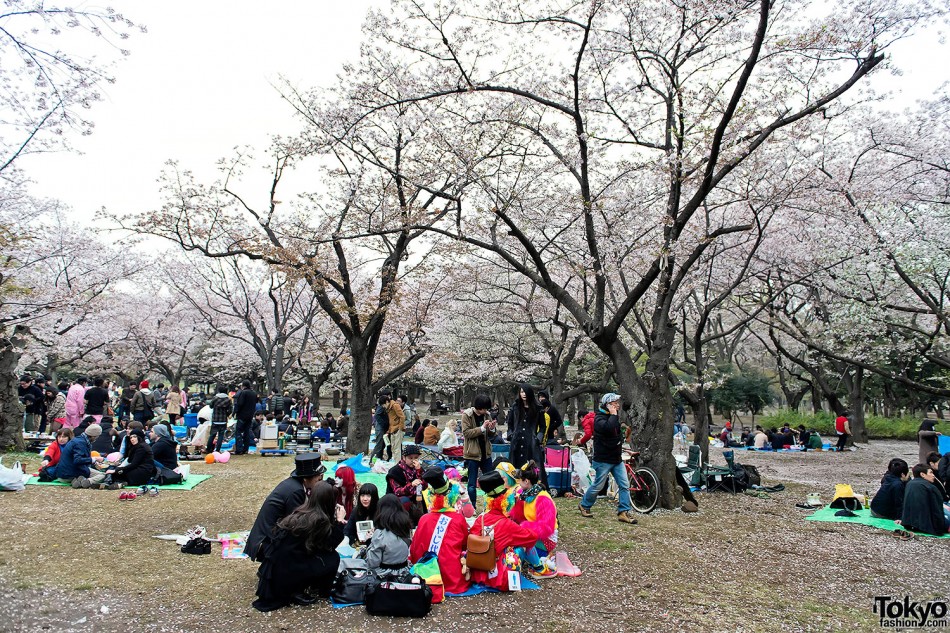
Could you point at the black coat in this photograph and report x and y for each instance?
(889, 500)
(943, 470)
(245, 404)
(165, 452)
(283, 500)
(105, 443)
(608, 438)
(288, 568)
(923, 508)
(523, 427)
(141, 466)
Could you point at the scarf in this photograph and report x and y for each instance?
(528, 495)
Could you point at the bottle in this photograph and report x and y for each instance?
(867, 500)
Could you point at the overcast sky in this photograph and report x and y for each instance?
(200, 82)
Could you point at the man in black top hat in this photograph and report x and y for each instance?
(284, 499)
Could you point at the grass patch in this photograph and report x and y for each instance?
(84, 587)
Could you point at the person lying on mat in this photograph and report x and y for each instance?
(888, 503)
(923, 507)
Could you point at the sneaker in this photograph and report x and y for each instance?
(585, 512)
(82, 482)
(624, 517)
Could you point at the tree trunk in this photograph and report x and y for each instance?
(346, 400)
(11, 417)
(859, 432)
(699, 403)
(651, 410)
(361, 418)
(336, 399)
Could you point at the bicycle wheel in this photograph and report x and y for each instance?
(645, 499)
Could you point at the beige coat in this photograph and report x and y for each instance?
(472, 431)
(397, 419)
(173, 403)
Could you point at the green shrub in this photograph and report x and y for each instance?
(879, 428)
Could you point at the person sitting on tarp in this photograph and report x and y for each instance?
(52, 454)
(141, 462)
(507, 533)
(300, 560)
(324, 433)
(933, 460)
(923, 506)
(726, 437)
(536, 512)
(388, 549)
(405, 480)
(284, 499)
(164, 448)
(814, 440)
(444, 532)
(888, 503)
(760, 440)
(364, 510)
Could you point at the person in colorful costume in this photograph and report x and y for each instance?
(508, 534)
(442, 531)
(535, 511)
(508, 472)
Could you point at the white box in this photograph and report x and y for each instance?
(268, 431)
(184, 470)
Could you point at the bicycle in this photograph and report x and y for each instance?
(644, 483)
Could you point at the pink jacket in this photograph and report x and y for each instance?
(75, 400)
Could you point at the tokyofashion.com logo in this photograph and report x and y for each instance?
(906, 613)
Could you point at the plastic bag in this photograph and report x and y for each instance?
(202, 433)
(12, 479)
(582, 470)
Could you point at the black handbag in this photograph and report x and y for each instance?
(407, 597)
(352, 584)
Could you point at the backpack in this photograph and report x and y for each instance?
(844, 498)
(167, 477)
(755, 479)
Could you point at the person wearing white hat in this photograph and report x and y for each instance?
(608, 442)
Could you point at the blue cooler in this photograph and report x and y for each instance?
(191, 420)
(559, 481)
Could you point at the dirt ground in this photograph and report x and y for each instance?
(82, 561)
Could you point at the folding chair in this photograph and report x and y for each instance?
(721, 477)
(693, 470)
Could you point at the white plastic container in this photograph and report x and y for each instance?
(268, 431)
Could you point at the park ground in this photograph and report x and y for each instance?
(743, 563)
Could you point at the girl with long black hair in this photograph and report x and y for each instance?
(525, 420)
(301, 559)
(388, 550)
(364, 510)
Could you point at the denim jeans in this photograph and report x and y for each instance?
(216, 439)
(243, 437)
(619, 473)
(475, 466)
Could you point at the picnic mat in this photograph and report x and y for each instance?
(864, 518)
(192, 481)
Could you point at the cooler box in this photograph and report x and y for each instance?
(181, 432)
(191, 420)
(559, 480)
(269, 432)
(267, 445)
(943, 443)
(557, 457)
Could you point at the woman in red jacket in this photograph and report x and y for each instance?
(507, 534)
(53, 452)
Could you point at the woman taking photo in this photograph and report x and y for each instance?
(300, 561)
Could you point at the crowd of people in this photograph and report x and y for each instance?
(917, 497)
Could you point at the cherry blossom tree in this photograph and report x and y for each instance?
(619, 125)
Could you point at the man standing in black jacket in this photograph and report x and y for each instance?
(245, 404)
(608, 442)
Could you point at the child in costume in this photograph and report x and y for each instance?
(442, 531)
(535, 511)
(508, 535)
